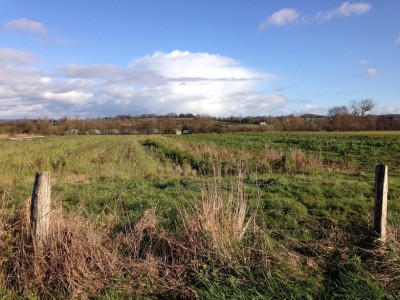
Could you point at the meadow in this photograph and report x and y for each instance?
(207, 216)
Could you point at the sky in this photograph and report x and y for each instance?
(221, 58)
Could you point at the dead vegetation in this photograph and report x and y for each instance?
(80, 258)
(220, 237)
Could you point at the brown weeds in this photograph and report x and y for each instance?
(218, 223)
(72, 263)
(80, 258)
(385, 258)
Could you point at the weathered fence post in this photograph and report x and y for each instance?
(381, 191)
(40, 209)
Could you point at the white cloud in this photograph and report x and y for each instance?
(45, 80)
(25, 25)
(347, 9)
(8, 56)
(397, 41)
(372, 72)
(74, 97)
(47, 36)
(280, 18)
(179, 81)
(195, 66)
(288, 16)
(199, 82)
(364, 62)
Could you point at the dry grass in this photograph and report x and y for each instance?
(385, 259)
(80, 259)
(73, 261)
(218, 223)
(303, 161)
(19, 137)
(160, 259)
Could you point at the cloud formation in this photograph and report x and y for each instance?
(179, 81)
(347, 9)
(280, 18)
(397, 41)
(13, 56)
(25, 25)
(287, 16)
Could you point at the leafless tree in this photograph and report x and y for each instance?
(338, 110)
(361, 107)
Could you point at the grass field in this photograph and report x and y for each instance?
(213, 216)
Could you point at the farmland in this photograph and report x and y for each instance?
(210, 216)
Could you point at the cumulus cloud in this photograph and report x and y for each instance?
(74, 97)
(199, 82)
(280, 18)
(195, 66)
(179, 81)
(347, 9)
(25, 25)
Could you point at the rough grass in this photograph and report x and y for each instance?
(80, 258)
(275, 216)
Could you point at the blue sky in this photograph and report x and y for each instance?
(103, 58)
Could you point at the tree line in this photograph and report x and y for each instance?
(355, 117)
(167, 125)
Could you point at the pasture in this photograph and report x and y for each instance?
(209, 216)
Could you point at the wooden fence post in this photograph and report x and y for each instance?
(40, 209)
(381, 191)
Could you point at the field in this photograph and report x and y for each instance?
(209, 216)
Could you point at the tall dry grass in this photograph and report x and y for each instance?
(73, 261)
(81, 258)
(385, 259)
(219, 222)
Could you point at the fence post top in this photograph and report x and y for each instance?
(381, 166)
(42, 173)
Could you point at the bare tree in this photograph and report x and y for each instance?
(361, 107)
(338, 110)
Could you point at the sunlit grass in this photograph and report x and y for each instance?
(299, 214)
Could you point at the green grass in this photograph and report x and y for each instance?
(312, 194)
(361, 151)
